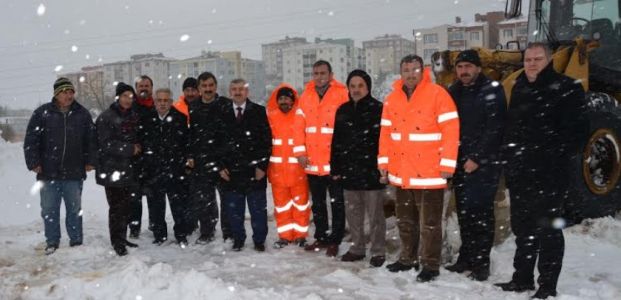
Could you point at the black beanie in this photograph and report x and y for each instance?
(190, 82)
(285, 91)
(471, 56)
(121, 88)
(362, 74)
(62, 84)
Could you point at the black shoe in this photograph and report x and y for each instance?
(459, 267)
(183, 242)
(543, 293)
(332, 250)
(50, 249)
(351, 257)
(301, 242)
(120, 250)
(513, 286)
(399, 267)
(238, 245)
(75, 243)
(130, 244)
(281, 243)
(316, 246)
(134, 234)
(159, 241)
(204, 239)
(479, 274)
(427, 275)
(226, 237)
(377, 261)
(259, 247)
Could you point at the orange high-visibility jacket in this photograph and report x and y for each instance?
(182, 107)
(283, 169)
(314, 125)
(418, 138)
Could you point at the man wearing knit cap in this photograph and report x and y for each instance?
(481, 107)
(353, 161)
(60, 147)
(190, 93)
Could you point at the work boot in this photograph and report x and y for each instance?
(259, 247)
(513, 286)
(427, 275)
(479, 274)
(204, 239)
(543, 293)
(120, 250)
(183, 242)
(159, 241)
(238, 245)
(75, 243)
(377, 261)
(316, 246)
(134, 233)
(332, 250)
(459, 267)
(50, 249)
(399, 267)
(301, 242)
(350, 257)
(281, 243)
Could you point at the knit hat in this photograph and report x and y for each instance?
(471, 56)
(285, 91)
(62, 84)
(121, 88)
(190, 82)
(362, 74)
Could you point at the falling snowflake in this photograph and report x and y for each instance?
(330, 13)
(36, 187)
(41, 10)
(116, 175)
(74, 48)
(58, 68)
(87, 56)
(82, 79)
(184, 38)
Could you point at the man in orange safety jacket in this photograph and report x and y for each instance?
(287, 177)
(417, 153)
(190, 93)
(314, 127)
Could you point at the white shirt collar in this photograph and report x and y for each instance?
(243, 106)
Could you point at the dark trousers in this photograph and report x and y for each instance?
(225, 224)
(474, 195)
(318, 187)
(135, 211)
(119, 199)
(536, 207)
(235, 206)
(177, 194)
(204, 207)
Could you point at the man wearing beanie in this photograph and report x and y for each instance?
(60, 147)
(119, 150)
(481, 106)
(353, 161)
(287, 177)
(190, 93)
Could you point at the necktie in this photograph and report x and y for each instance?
(239, 114)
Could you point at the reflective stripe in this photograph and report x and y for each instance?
(382, 160)
(394, 179)
(448, 163)
(297, 149)
(276, 142)
(312, 168)
(290, 142)
(291, 203)
(276, 159)
(447, 116)
(395, 136)
(311, 129)
(327, 130)
(425, 137)
(427, 181)
(293, 160)
(291, 226)
(326, 168)
(300, 112)
(386, 122)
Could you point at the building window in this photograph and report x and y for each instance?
(474, 36)
(456, 35)
(522, 30)
(507, 33)
(431, 38)
(428, 52)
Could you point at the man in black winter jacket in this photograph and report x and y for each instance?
(353, 162)
(543, 129)
(165, 139)
(481, 105)
(60, 147)
(245, 166)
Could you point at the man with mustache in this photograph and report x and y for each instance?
(481, 107)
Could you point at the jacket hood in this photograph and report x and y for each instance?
(272, 103)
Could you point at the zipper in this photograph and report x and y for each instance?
(62, 160)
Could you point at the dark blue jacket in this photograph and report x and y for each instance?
(61, 143)
(482, 110)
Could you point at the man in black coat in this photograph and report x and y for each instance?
(481, 105)
(207, 147)
(245, 166)
(165, 137)
(353, 162)
(60, 147)
(543, 129)
(117, 171)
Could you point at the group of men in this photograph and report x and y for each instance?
(337, 139)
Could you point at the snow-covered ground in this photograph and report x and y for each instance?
(591, 270)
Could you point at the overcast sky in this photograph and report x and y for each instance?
(39, 39)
